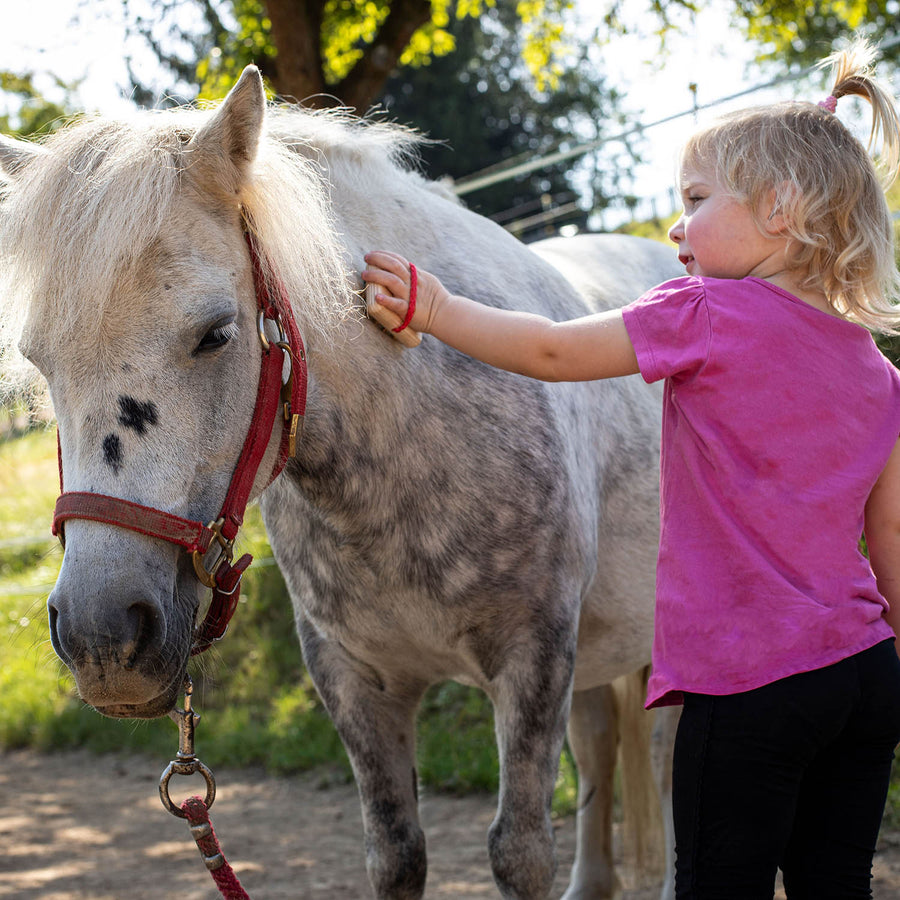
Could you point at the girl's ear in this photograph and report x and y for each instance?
(774, 208)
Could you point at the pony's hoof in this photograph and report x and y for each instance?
(593, 892)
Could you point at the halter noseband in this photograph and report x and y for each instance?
(212, 546)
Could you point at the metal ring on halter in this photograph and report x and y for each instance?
(185, 768)
(225, 548)
(261, 330)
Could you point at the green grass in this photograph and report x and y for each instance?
(32, 692)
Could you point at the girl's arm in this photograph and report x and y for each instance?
(582, 349)
(883, 536)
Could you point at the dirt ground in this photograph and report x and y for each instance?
(75, 826)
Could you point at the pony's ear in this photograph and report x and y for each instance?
(16, 155)
(225, 147)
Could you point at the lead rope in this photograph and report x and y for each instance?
(197, 814)
(196, 809)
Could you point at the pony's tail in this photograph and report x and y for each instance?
(645, 768)
(852, 70)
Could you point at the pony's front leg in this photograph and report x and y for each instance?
(531, 707)
(378, 732)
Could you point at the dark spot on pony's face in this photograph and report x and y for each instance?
(112, 452)
(136, 415)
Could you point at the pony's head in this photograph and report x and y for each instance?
(127, 282)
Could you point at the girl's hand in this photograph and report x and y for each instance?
(392, 272)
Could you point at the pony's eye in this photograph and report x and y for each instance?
(217, 337)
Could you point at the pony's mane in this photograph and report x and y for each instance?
(77, 218)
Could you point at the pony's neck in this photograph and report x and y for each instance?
(378, 205)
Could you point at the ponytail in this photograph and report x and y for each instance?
(853, 76)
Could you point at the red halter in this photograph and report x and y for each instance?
(212, 545)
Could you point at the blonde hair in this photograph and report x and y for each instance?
(827, 186)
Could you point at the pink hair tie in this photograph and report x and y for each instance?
(411, 309)
(829, 103)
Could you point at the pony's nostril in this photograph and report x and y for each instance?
(53, 616)
(60, 635)
(144, 620)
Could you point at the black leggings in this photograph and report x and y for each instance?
(791, 775)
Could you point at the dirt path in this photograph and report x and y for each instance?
(74, 826)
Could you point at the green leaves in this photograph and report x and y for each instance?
(802, 33)
(349, 28)
(544, 39)
(250, 42)
(29, 112)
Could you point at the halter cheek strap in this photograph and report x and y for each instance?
(212, 546)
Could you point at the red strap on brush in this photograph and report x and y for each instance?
(411, 304)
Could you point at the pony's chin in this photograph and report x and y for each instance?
(151, 709)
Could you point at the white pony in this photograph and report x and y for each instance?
(439, 519)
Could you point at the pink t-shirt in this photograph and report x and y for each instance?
(777, 420)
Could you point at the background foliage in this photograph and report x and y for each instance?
(507, 119)
(796, 33)
(327, 50)
(33, 113)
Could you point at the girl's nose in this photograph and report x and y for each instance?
(676, 232)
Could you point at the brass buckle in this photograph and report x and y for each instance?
(292, 421)
(295, 422)
(225, 548)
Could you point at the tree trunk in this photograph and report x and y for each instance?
(296, 33)
(297, 72)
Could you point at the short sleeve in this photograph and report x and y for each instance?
(669, 327)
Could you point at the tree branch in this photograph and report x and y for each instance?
(366, 79)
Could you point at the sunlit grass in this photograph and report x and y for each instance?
(33, 690)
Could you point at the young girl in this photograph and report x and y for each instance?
(779, 449)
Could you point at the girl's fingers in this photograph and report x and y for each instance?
(394, 284)
(390, 270)
(393, 304)
(392, 273)
(390, 262)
